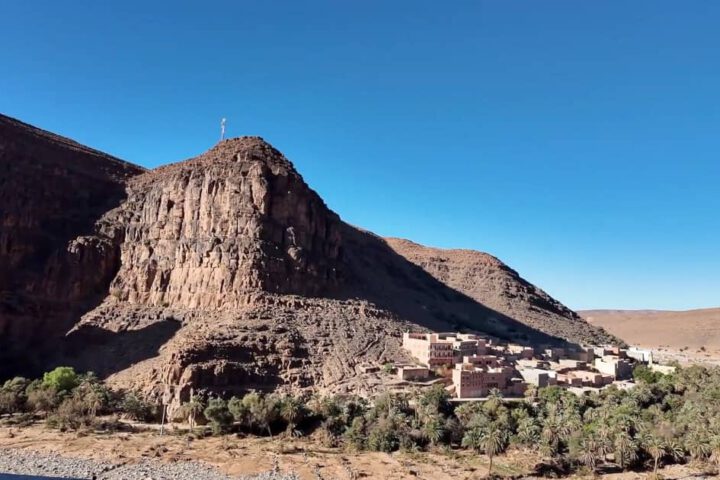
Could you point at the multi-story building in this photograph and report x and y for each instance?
(429, 349)
(483, 361)
(473, 382)
(434, 349)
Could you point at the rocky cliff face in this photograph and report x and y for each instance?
(52, 192)
(226, 272)
(210, 232)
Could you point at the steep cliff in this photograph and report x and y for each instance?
(227, 272)
(208, 232)
(52, 192)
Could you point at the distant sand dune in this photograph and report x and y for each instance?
(656, 328)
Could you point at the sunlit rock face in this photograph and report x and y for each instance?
(211, 231)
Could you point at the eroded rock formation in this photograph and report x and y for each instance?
(226, 272)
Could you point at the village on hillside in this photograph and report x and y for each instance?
(477, 365)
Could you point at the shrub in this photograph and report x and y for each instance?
(12, 395)
(642, 373)
(138, 409)
(42, 398)
(239, 410)
(70, 415)
(383, 437)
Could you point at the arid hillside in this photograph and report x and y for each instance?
(225, 272)
(654, 328)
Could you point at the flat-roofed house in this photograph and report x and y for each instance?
(640, 354)
(413, 373)
(619, 368)
(538, 376)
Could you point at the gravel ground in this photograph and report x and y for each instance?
(23, 462)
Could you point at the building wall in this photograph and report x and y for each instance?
(478, 383)
(413, 373)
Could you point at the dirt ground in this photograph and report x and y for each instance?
(306, 457)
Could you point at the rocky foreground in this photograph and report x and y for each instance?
(24, 462)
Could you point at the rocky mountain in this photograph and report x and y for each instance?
(53, 191)
(224, 272)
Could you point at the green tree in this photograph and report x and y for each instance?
(218, 415)
(136, 408)
(239, 410)
(62, 379)
(262, 411)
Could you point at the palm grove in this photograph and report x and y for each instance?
(664, 419)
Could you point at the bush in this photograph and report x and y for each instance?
(383, 437)
(12, 395)
(218, 415)
(138, 409)
(70, 415)
(642, 373)
(42, 398)
(62, 379)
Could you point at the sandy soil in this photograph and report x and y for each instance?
(691, 336)
(243, 456)
(306, 457)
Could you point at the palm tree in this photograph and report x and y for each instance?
(291, 410)
(528, 432)
(655, 446)
(193, 408)
(715, 451)
(589, 452)
(675, 450)
(625, 449)
(493, 441)
(698, 445)
(433, 429)
(550, 438)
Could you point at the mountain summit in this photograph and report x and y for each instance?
(225, 272)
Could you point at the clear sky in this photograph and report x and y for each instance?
(578, 141)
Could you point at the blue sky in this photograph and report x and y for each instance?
(577, 141)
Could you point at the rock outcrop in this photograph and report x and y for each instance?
(209, 232)
(226, 272)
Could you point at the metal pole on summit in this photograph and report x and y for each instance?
(222, 129)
